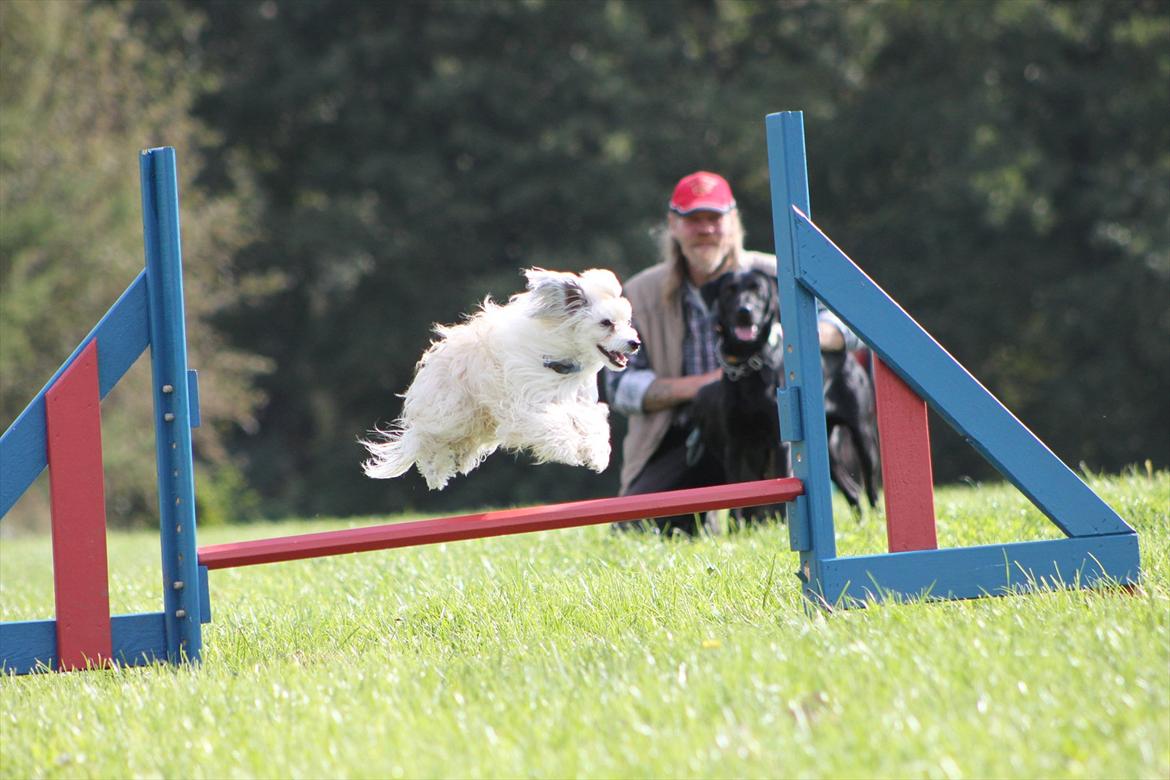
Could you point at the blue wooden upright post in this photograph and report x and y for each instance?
(801, 404)
(173, 389)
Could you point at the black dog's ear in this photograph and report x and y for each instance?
(710, 290)
(555, 294)
(769, 281)
(767, 277)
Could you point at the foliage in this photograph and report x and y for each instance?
(1010, 188)
(1000, 167)
(983, 161)
(582, 653)
(82, 93)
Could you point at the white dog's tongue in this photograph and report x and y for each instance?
(746, 332)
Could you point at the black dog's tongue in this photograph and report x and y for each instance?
(746, 332)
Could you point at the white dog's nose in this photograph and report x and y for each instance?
(634, 345)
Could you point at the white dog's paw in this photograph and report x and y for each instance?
(595, 453)
(559, 452)
(435, 480)
(437, 469)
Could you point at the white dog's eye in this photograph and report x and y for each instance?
(607, 323)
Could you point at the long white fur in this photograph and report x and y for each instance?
(485, 383)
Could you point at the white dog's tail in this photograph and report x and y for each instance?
(392, 453)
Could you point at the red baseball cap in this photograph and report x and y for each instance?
(702, 191)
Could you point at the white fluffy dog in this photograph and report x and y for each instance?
(522, 376)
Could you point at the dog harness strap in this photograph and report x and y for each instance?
(562, 366)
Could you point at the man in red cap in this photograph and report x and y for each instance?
(702, 239)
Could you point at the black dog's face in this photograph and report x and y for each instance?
(744, 307)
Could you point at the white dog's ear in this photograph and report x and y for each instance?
(554, 293)
(603, 280)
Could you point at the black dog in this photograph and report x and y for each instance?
(736, 418)
(851, 424)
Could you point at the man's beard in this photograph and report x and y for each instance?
(707, 259)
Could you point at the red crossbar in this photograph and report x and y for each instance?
(499, 523)
(907, 480)
(73, 429)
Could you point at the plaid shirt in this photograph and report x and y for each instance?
(700, 355)
(625, 390)
(700, 350)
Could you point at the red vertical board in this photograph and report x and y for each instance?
(908, 482)
(77, 495)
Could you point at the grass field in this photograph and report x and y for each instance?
(581, 653)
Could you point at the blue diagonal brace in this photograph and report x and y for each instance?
(950, 390)
(122, 336)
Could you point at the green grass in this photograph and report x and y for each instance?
(584, 653)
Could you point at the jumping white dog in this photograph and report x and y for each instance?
(522, 376)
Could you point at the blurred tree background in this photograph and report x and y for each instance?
(355, 171)
(81, 93)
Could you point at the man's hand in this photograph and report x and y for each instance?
(831, 339)
(664, 393)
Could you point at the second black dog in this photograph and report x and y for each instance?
(851, 424)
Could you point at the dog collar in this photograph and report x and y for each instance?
(736, 371)
(562, 366)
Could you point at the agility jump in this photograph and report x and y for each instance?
(913, 370)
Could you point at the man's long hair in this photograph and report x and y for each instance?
(670, 252)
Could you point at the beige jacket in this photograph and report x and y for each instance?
(659, 321)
